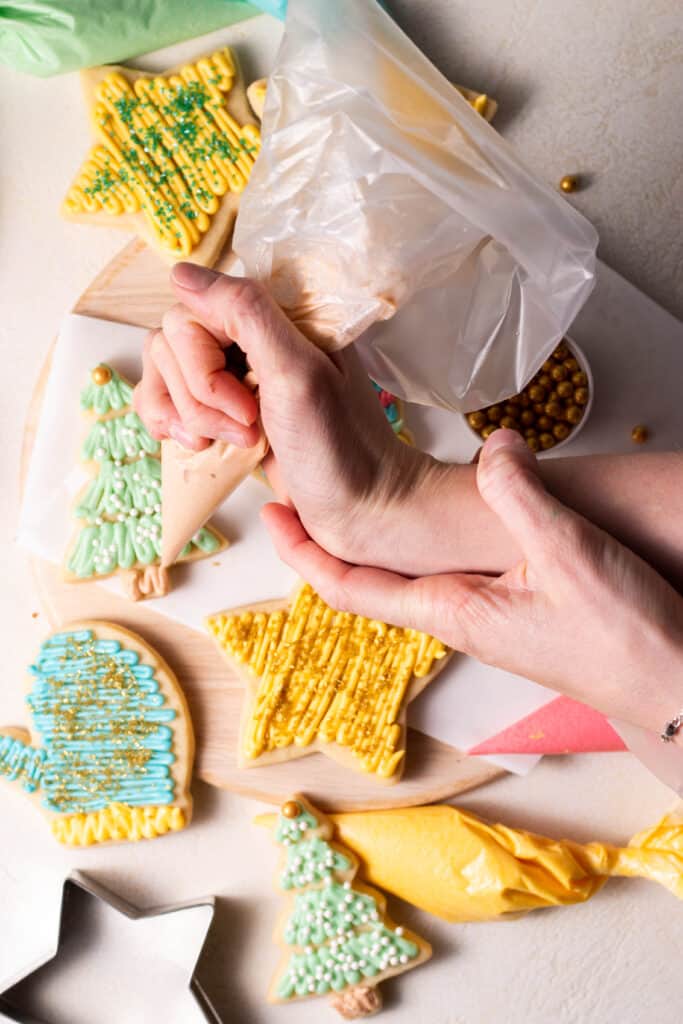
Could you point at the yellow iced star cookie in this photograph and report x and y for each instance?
(322, 680)
(172, 155)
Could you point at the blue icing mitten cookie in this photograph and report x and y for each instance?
(113, 749)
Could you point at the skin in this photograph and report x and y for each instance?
(389, 532)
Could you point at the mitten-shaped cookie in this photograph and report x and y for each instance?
(113, 745)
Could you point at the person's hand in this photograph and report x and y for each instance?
(579, 613)
(333, 454)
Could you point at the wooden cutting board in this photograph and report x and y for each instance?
(134, 289)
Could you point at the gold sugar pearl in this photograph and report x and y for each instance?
(558, 372)
(533, 443)
(581, 396)
(291, 809)
(544, 422)
(494, 413)
(640, 434)
(488, 430)
(546, 441)
(569, 183)
(536, 393)
(554, 410)
(573, 414)
(561, 431)
(101, 375)
(565, 389)
(508, 423)
(477, 420)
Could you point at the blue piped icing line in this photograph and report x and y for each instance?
(20, 762)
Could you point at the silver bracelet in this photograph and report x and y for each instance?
(672, 727)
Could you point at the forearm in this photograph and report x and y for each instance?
(636, 498)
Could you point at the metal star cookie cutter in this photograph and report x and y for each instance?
(181, 940)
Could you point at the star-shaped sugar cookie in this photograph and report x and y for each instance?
(171, 157)
(321, 680)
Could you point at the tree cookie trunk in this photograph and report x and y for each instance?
(359, 1001)
(152, 581)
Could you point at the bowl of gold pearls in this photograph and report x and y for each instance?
(552, 408)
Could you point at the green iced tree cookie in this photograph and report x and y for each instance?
(337, 938)
(119, 511)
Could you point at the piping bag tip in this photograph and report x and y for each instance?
(194, 484)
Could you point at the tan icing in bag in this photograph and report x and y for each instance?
(380, 197)
(379, 189)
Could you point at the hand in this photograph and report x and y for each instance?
(333, 454)
(579, 613)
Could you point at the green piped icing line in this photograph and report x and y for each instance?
(104, 398)
(129, 489)
(124, 437)
(104, 723)
(103, 548)
(310, 862)
(20, 762)
(293, 829)
(323, 914)
(345, 962)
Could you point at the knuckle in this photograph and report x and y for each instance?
(246, 294)
(174, 318)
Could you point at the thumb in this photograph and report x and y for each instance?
(19, 760)
(508, 481)
(236, 309)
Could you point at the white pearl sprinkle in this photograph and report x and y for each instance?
(399, 930)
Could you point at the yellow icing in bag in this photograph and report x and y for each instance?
(456, 866)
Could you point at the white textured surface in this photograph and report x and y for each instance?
(584, 86)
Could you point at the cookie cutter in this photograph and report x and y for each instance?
(78, 885)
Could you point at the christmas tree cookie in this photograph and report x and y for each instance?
(321, 680)
(119, 511)
(334, 932)
(113, 749)
(173, 153)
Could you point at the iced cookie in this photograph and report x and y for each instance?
(112, 756)
(119, 510)
(173, 153)
(334, 932)
(321, 680)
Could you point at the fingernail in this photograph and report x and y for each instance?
(181, 436)
(193, 277)
(233, 437)
(504, 438)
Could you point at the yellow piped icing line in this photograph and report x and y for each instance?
(116, 823)
(169, 148)
(326, 675)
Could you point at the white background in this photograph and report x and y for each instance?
(582, 87)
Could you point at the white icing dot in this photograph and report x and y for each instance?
(100, 453)
(347, 885)
(403, 958)
(399, 930)
(121, 518)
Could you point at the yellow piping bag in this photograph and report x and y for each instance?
(451, 864)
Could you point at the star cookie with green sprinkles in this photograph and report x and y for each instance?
(171, 157)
